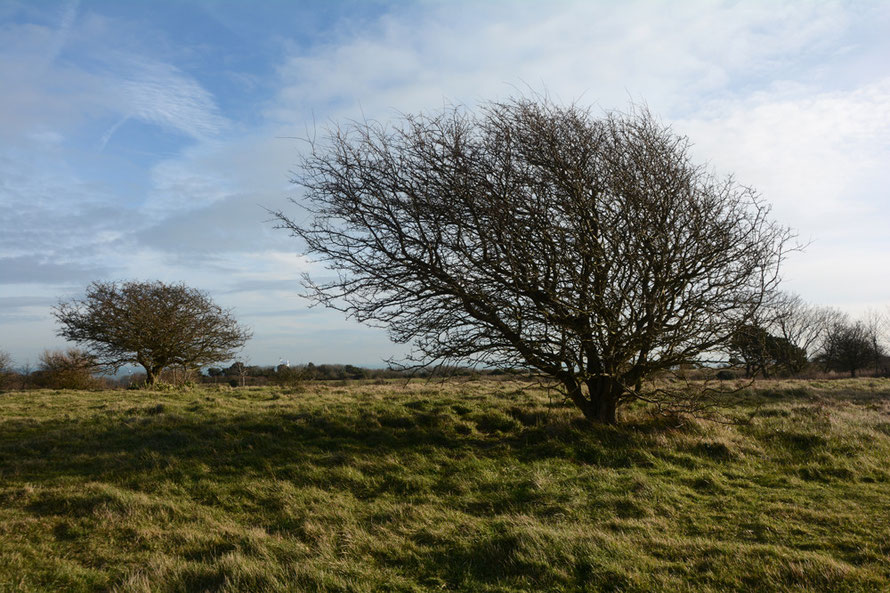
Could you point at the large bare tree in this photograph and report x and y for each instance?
(152, 324)
(531, 234)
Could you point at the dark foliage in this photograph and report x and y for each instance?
(68, 369)
(850, 347)
(763, 353)
(152, 324)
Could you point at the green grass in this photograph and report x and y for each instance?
(476, 486)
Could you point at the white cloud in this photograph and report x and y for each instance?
(671, 55)
(792, 97)
(763, 90)
(821, 159)
(162, 94)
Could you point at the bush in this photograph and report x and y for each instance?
(68, 369)
(6, 372)
(292, 377)
(179, 376)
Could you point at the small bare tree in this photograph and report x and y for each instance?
(804, 325)
(242, 367)
(536, 235)
(67, 369)
(849, 347)
(6, 370)
(875, 324)
(26, 375)
(152, 324)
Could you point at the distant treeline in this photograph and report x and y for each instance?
(76, 369)
(239, 374)
(846, 350)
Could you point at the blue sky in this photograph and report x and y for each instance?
(143, 140)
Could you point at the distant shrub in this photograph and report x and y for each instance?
(66, 369)
(292, 377)
(178, 376)
(6, 373)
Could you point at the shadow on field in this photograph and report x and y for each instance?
(152, 443)
(188, 441)
(464, 493)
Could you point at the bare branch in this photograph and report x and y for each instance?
(535, 235)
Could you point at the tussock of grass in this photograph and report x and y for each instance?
(475, 486)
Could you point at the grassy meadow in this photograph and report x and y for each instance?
(458, 486)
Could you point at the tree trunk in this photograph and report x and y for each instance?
(603, 410)
(604, 393)
(151, 375)
(601, 405)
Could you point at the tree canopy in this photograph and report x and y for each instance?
(850, 346)
(66, 369)
(152, 324)
(761, 352)
(530, 234)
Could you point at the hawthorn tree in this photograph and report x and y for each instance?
(761, 352)
(152, 324)
(849, 347)
(530, 234)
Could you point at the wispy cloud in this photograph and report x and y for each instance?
(672, 55)
(162, 94)
(30, 269)
(68, 18)
(36, 61)
(823, 149)
(117, 158)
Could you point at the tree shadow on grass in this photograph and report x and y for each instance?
(861, 391)
(159, 445)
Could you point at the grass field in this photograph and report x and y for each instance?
(474, 486)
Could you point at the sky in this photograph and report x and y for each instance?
(148, 140)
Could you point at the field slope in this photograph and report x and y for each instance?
(475, 486)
